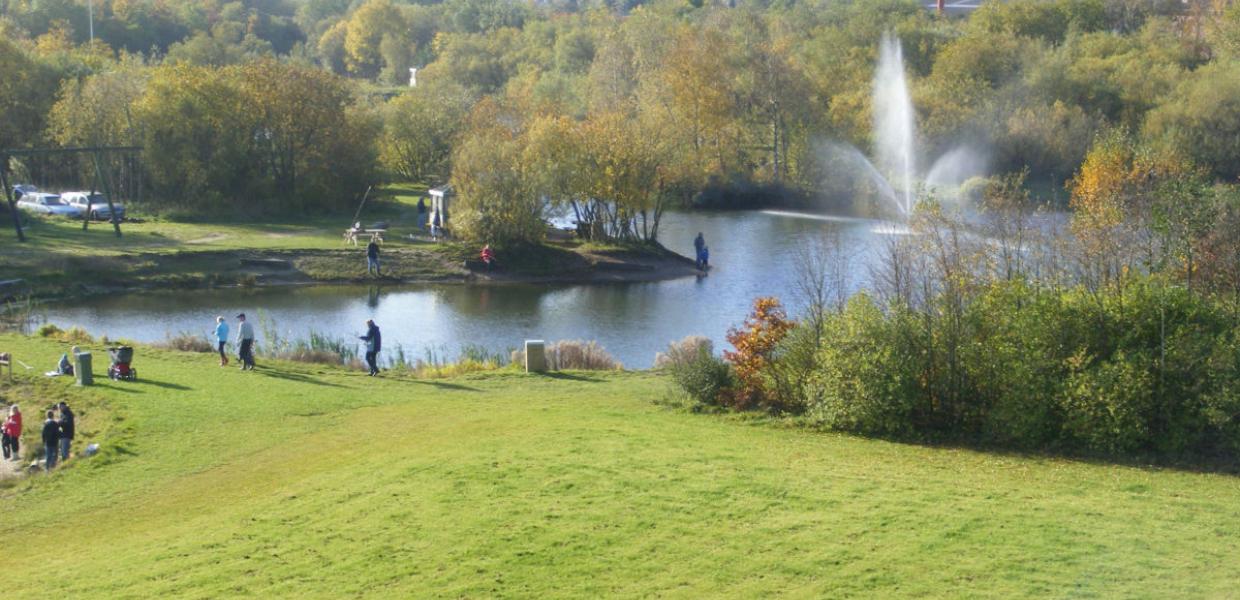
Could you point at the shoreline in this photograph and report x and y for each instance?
(247, 268)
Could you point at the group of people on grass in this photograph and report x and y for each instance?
(245, 343)
(57, 434)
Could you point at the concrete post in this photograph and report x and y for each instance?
(82, 369)
(535, 356)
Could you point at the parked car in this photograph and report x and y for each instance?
(48, 204)
(97, 203)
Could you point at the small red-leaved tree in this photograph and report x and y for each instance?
(755, 342)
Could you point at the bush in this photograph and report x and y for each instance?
(73, 335)
(683, 351)
(49, 330)
(868, 374)
(1138, 368)
(1107, 407)
(755, 341)
(705, 378)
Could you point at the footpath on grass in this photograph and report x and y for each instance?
(9, 468)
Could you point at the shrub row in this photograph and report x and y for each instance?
(1144, 368)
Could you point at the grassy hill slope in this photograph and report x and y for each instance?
(309, 481)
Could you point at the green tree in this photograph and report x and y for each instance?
(366, 30)
(22, 111)
(494, 203)
(1201, 119)
(420, 128)
(227, 135)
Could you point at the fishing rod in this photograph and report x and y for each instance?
(363, 203)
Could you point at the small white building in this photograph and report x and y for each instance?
(441, 197)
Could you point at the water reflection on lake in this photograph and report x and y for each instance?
(753, 254)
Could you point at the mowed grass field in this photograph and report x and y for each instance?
(305, 481)
(59, 255)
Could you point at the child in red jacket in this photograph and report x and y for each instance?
(12, 430)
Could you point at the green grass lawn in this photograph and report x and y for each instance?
(306, 481)
(59, 256)
(60, 260)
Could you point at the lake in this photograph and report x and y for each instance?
(752, 253)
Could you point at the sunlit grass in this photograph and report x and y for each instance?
(312, 481)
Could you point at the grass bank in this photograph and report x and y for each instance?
(305, 481)
(61, 260)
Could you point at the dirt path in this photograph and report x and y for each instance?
(10, 468)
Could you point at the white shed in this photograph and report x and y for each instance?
(441, 197)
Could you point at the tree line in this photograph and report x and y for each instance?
(609, 110)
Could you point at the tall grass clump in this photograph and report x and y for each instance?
(434, 363)
(683, 351)
(321, 348)
(315, 348)
(72, 335)
(582, 355)
(574, 355)
(18, 315)
(187, 342)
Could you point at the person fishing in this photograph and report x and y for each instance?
(373, 345)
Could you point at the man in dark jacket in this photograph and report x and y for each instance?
(66, 430)
(51, 439)
(372, 257)
(374, 342)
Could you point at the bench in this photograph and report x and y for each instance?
(351, 235)
(6, 360)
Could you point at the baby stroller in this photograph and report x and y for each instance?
(120, 369)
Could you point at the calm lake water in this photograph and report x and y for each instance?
(753, 254)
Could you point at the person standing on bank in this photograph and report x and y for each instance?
(374, 343)
(372, 257)
(221, 338)
(245, 342)
(51, 440)
(13, 433)
(66, 430)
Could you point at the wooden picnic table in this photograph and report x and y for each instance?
(351, 235)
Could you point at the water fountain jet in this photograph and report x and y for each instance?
(893, 172)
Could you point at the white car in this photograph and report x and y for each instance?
(98, 204)
(48, 204)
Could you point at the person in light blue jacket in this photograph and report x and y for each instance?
(221, 337)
